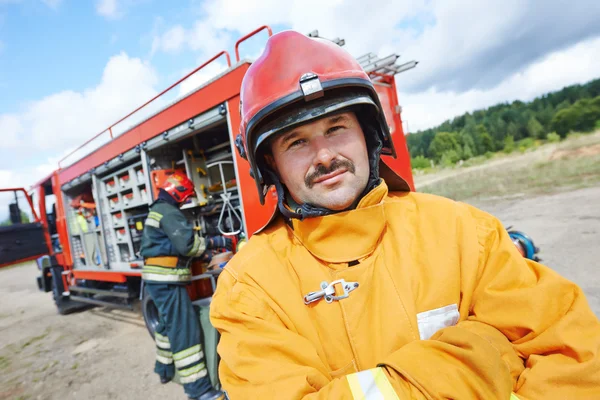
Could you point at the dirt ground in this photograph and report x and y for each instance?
(108, 354)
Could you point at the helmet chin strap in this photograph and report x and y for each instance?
(290, 209)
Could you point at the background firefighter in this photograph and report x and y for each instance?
(168, 243)
(361, 289)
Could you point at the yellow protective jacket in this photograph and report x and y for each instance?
(445, 308)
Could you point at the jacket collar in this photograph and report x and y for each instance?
(345, 236)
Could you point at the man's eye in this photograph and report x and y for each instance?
(334, 128)
(296, 143)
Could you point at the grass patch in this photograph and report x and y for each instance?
(34, 339)
(541, 177)
(4, 363)
(573, 163)
(47, 366)
(75, 366)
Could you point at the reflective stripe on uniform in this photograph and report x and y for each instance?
(155, 216)
(163, 343)
(188, 356)
(162, 274)
(192, 374)
(165, 278)
(164, 357)
(152, 222)
(513, 397)
(197, 248)
(161, 338)
(371, 384)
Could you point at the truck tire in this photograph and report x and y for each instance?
(150, 312)
(62, 303)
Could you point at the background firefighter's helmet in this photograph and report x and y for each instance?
(298, 79)
(179, 186)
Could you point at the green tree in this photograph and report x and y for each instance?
(467, 152)
(535, 129)
(562, 105)
(449, 158)
(512, 130)
(563, 121)
(483, 140)
(420, 162)
(443, 142)
(487, 143)
(516, 119)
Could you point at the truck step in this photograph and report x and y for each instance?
(103, 292)
(97, 302)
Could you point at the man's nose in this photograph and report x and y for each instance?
(324, 154)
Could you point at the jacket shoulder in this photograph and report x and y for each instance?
(442, 211)
(164, 208)
(261, 252)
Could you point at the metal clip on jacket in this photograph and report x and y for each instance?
(328, 291)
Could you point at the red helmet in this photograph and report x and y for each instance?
(179, 186)
(298, 79)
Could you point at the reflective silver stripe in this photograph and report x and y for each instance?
(189, 360)
(159, 337)
(371, 384)
(187, 352)
(193, 374)
(198, 247)
(161, 274)
(201, 247)
(164, 360)
(165, 270)
(163, 345)
(164, 353)
(152, 222)
(154, 215)
(165, 278)
(194, 377)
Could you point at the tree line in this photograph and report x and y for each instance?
(507, 125)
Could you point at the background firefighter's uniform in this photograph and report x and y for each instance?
(168, 242)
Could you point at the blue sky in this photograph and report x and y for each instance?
(69, 68)
(49, 49)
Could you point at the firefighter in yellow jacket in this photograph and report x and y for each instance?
(361, 289)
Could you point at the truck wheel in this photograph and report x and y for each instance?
(62, 304)
(150, 312)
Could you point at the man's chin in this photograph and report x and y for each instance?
(335, 201)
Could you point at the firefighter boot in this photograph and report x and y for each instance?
(210, 395)
(164, 380)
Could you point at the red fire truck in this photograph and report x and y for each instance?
(87, 243)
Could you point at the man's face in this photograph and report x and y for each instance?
(324, 163)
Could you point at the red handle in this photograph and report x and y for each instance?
(254, 32)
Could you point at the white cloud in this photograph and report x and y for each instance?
(202, 36)
(577, 64)
(11, 128)
(472, 54)
(70, 118)
(52, 3)
(108, 9)
(171, 41)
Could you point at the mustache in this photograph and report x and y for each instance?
(321, 170)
